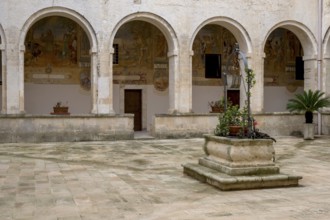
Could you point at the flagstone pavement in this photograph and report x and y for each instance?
(143, 179)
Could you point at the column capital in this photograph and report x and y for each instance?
(310, 58)
(172, 53)
(22, 48)
(191, 53)
(93, 51)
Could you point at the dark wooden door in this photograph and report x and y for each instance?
(133, 105)
(233, 96)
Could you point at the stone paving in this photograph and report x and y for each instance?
(144, 180)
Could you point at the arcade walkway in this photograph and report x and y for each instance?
(143, 179)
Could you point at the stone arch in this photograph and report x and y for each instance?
(245, 45)
(326, 62)
(326, 43)
(2, 37)
(82, 22)
(308, 43)
(157, 21)
(305, 36)
(65, 12)
(233, 26)
(173, 49)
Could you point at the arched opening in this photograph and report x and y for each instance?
(140, 72)
(212, 47)
(216, 38)
(57, 66)
(326, 64)
(283, 69)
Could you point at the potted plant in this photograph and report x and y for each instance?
(308, 102)
(59, 109)
(217, 106)
(233, 122)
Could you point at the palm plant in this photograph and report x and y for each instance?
(308, 102)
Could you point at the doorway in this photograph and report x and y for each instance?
(234, 97)
(133, 105)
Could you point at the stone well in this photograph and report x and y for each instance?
(234, 163)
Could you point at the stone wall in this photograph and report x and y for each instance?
(326, 124)
(65, 128)
(183, 126)
(254, 24)
(195, 125)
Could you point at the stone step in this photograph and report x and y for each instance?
(143, 135)
(257, 169)
(227, 182)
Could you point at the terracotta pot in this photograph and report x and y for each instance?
(60, 110)
(235, 130)
(217, 109)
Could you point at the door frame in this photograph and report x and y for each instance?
(139, 92)
(143, 88)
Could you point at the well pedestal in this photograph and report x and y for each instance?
(233, 163)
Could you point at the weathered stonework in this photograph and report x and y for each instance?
(59, 128)
(234, 163)
(271, 34)
(239, 156)
(183, 126)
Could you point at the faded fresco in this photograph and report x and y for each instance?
(57, 51)
(281, 49)
(212, 39)
(142, 57)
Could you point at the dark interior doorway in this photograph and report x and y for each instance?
(233, 96)
(133, 105)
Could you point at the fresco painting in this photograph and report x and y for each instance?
(56, 51)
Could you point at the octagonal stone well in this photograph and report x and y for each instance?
(236, 163)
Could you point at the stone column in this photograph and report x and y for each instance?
(186, 82)
(180, 78)
(21, 79)
(14, 79)
(257, 98)
(94, 77)
(326, 77)
(310, 67)
(257, 92)
(104, 83)
(173, 81)
(4, 79)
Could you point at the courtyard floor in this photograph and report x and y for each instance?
(143, 179)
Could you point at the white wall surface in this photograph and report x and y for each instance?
(153, 102)
(276, 98)
(40, 98)
(202, 95)
(157, 103)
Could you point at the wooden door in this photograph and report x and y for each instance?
(233, 96)
(133, 105)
